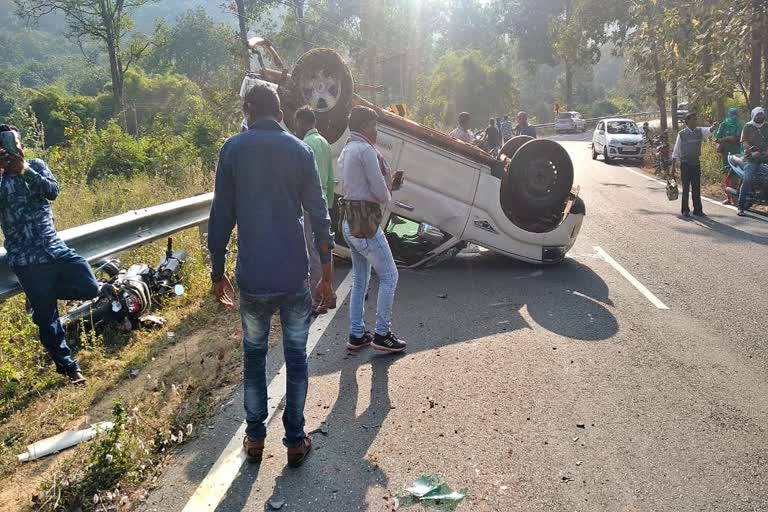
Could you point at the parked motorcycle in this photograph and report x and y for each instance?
(126, 295)
(759, 193)
(661, 157)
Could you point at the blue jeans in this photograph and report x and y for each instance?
(67, 278)
(750, 168)
(366, 254)
(295, 315)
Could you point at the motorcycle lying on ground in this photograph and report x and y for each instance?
(758, 195)
(127, 295)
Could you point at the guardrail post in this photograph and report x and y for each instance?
(202, 230)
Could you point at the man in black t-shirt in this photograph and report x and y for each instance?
(493, 137)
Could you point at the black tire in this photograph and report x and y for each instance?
(512, 145)
(538, 181)
(594, 152)
(606, 158)
(322, 80)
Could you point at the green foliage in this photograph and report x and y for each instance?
(29, 127)
(116, 154)
(196, 47)
(169, 96)
(466, 82)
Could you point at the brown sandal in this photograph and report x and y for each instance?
(297, 455)
(254, 450)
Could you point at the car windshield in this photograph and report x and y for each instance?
(682, 106)
(564, 116)
(623, 128)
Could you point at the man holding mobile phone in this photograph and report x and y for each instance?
(46, 268)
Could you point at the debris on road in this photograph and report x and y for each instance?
(62, 441)
(322, 429)
(581, 424)
(430, 492)
(276, 504)
(442, 296)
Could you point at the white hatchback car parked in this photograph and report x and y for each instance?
(618, 139)
(570, 122)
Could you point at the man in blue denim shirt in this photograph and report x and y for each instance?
(47, 269)
(265, 180)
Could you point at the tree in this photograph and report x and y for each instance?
(107, 22)
(567, 32)
(464, 81)
(196, 46)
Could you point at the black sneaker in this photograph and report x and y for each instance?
(388, 343)
(355, 343)
(76, 377)
(686, 214)
(700, 214)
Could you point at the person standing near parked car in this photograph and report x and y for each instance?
(305, 129)
(365, 180)
(728, 139)
(688, 151)
(523, 128)
(754, 138)
(47, 269)
(265, 181)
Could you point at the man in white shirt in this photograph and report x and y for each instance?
(462, 132)
(688, 151)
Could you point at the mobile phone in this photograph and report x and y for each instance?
(10, 143)
(397, 180)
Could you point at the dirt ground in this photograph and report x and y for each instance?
(184, 380)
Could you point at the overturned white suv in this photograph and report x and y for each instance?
(522, 204)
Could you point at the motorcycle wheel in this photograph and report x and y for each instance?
(322, 80)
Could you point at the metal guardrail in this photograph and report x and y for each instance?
(639, 116)
(115, 235)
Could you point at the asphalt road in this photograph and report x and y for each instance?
(546, 389)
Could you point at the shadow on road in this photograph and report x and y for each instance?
(339, 473)
(718, 231)
(462, 301)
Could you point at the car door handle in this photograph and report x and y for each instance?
(404, 206)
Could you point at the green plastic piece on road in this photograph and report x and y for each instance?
(431, 492)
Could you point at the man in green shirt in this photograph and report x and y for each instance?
(304, 128)
(729, 143)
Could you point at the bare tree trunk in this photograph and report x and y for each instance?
(242, 21)
(720, 109)
(673, 104)
(755, 89)
(660, 87)
(116, 73)
(765, 56)
(568, 64)
(298, 9)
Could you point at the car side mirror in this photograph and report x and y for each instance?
(602, 132)
(430, 234)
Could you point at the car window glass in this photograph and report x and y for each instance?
(564, 116)
(623, 128)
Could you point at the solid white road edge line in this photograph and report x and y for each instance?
(629, 277)
(705, 198)
(217, 482)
